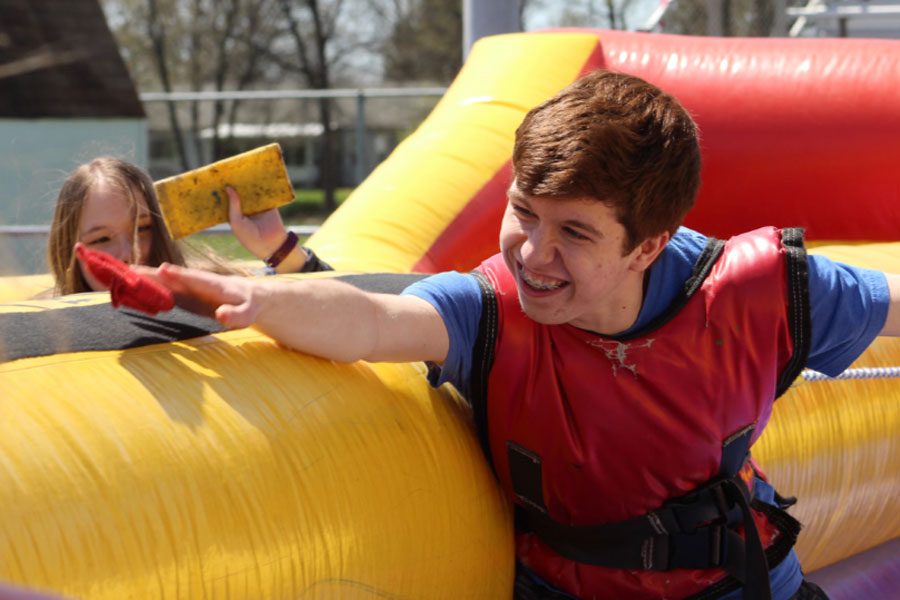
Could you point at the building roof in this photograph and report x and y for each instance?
(264, 130)
(59, 59)
(854, 18)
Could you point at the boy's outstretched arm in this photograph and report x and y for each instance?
(323, 317)
(892, 323)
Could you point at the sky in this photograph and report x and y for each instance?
(541, 14)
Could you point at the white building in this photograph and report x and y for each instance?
(65, 97)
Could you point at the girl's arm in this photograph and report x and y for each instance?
(263, 234)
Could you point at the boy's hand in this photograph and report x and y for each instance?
(126, 287)
(233, 301)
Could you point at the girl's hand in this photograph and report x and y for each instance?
(261, 233)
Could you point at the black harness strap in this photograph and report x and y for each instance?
(694, 531)
(483, 361)
(799, 319)
(775, 553)
(705, 262)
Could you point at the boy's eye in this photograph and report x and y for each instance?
(522, 212)
(575, 234)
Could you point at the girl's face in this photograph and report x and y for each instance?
(109, 223)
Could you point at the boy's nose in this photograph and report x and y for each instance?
(538, 249)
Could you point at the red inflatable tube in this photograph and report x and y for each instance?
(795, 132)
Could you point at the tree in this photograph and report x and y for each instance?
(236, 44)
(200, 44)
(614, 14)
(425, 40)
(227, 46)
(311, 27)
(738, 18)
(156, 33)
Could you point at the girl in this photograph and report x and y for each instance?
(110, 205)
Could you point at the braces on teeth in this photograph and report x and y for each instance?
(538, 284)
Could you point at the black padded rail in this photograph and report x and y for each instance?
(102, 327)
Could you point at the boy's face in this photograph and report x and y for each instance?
(567, 259)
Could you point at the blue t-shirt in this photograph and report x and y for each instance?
(848, 309)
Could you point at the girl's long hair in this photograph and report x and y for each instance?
(133, 183)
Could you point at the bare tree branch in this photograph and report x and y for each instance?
(156, 33)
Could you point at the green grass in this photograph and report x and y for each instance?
(307, 209)
(223, 245)
(309, 206)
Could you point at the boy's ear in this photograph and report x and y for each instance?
(647, 251)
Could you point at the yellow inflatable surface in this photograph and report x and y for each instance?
(834, 445)
(226, 467)
(22, 287)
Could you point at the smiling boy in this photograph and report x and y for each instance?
(619, 366)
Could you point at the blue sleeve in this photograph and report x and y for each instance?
(457, 298)
(667, 275)
(849, 307)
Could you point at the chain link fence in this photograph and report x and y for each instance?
(364, 124)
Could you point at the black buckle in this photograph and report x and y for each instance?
(704, 507)
(718, 545)
(706, 548)
(656, 553)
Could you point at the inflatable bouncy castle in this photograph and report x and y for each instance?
(145, 457)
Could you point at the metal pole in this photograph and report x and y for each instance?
(715, 17)
(780, 26)
(488, 17)
(362, 165)
(292, 94)
(22, 231)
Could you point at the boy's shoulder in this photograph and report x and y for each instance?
(687, 243)
(446, 286)
(680, 254)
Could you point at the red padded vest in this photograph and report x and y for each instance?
(621, 425)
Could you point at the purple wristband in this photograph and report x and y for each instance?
(289, 243)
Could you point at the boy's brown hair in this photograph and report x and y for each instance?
(616, 138)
